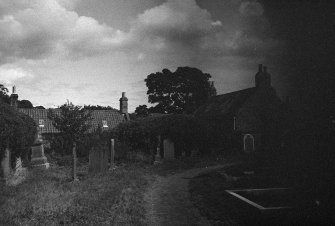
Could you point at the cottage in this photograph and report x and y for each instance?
(106, 119)
(252, 116)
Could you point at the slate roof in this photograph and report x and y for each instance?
(112, 117)
(225, 104)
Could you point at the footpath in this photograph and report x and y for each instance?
(168, 200)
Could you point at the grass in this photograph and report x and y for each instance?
(179, 165)
(51, 198)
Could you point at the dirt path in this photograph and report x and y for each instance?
(168, 201)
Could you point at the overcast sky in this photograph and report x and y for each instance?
(89, 51)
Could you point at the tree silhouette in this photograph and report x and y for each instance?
(142, 111)
(73, 123)
(181, 91)
(4, 94)
(25, 104)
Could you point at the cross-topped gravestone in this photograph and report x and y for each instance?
(38, 158)
(18, 166)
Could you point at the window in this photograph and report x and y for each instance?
(104, 123)
(41, 122)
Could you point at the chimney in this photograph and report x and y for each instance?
(260, 68)
(13, 98)
(124, 104)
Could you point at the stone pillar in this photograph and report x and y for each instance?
(112, 165)
(158, 158)
(5, 169)
(38, 158)
(74, 162)
(168, 149)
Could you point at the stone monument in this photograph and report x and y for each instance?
(168, 149)
(38, 158)
(158, 157)
(5, 169)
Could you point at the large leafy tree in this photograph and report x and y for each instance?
(181, 91)
(74, 123)
(142, 111)
(25, 104)
(4, 94)
(98, 107)
(17, 131)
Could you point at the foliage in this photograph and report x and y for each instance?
(142, 134)
(40, 107)
(17, 130)
(181, 91)
(25, 104)
(4, 94)
(98, 107)
(49, 198)
(142, 111)
(72, 122)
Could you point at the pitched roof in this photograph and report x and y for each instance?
(224, 104)
(112, 117)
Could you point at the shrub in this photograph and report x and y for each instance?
(142, 134)
(17, 131)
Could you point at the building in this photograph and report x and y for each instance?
(106, 119)
(252, 116)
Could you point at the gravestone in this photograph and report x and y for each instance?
(18, 166)
(20, 173)
(168, 149)
(112, 164)
(158, 157)
(38, 159)
(98, 159)
(249, 143)
(5, 169)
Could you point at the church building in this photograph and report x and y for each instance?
(253, 117)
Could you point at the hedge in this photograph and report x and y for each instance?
(17, 131)
(141, 134)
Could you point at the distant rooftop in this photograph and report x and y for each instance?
(107, 119)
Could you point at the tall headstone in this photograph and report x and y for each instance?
(18, 166)
(38, 158)
(5, 169)
(249, 143)
(158, 157)
(112, 165)
(168, 149)
(74, 162)
(98, 159)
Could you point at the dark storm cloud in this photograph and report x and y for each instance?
(307, 62)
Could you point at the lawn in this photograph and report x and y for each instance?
(51, 198)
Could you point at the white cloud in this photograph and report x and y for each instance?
(175, 20)
(35, 30)
(10, 74)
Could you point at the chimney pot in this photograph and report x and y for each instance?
(260, 67)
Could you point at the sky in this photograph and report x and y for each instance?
(89, 51)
